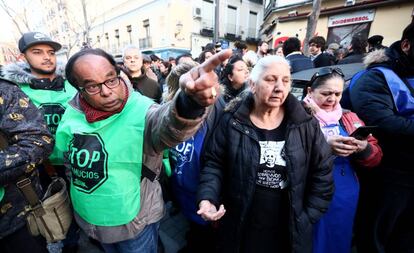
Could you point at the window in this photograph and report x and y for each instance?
(129, 30)
(252, 25)
(146, 25)
(231, 19)
(343, 34)
(207, 14)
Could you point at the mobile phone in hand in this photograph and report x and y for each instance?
(362, 132)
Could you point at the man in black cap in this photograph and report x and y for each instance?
(40, 78)
(43, 82)
(375, 43)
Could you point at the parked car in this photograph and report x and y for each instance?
(167, 52)
(300, 79)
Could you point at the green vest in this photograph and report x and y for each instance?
(105, 158)
(53, 104)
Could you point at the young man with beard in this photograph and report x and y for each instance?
(43, 82)
(132, 57)
(41, 79)
(262, 49)
(383, 96)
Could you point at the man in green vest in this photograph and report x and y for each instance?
(113, 139)
(39, 76)
(41, 79)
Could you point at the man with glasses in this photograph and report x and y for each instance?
(113, 138)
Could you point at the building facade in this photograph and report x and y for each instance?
(8, 53)
(150, 24)
(339, 20)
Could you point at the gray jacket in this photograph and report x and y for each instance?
(163, 128)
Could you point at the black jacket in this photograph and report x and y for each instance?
(229, 172)
(28, 142)
(299, 62)
(352, 58)
(323, 60)
(372, 100)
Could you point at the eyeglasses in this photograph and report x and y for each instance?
(96, 88)
(324, 72)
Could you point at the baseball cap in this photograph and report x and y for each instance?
(33, 38)
(375, 40)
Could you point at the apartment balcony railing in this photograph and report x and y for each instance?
(231, 29)
(252, 33)
(145, 42)
(207, 24)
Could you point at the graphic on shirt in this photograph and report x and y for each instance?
(271, 173)
(330, 130)
(53, 113)
(271, 153)
(88, 159)
(182, 154)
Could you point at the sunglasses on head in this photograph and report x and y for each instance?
(324, 72)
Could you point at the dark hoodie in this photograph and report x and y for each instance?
(373, 102)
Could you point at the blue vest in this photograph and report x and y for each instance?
(402, 97)
(185, 161)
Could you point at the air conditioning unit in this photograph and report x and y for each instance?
(349, 2)
(196, 12)
(293, 13)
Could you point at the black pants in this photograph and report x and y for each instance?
(385, 217)
(200, 239)
(22, 241)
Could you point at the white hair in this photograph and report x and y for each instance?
(263, 64)
(130, 47)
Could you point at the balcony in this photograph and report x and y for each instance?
(207, 28)
(252, 33)
(257, 1)
(145, 43)
(231, 32)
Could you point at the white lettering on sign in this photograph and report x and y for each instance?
(351, 18)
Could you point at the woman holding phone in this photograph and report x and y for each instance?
(333, 232)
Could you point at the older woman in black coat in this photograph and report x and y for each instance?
(267, 173)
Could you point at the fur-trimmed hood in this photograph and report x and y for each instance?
(392, 58)
(376, 57)
(19, 72)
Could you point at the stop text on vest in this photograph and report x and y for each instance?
(84, 158)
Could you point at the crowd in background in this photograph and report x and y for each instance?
(220, 135)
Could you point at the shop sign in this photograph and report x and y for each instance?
(351, 18)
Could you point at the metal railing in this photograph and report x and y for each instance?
(145, 42)
(252, 32)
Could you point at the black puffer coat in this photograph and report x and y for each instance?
(229, 174)
(29, 141)
(373, 102)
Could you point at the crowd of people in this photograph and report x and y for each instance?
(251, 168)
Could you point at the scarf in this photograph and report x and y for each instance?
(93, 115)
(325, 118)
